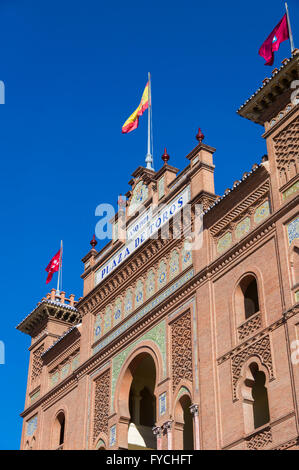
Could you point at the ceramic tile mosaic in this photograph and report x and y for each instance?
(293, 230)
(262, 212)
(31, 426)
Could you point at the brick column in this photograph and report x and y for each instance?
(157, 430)
(194, 411)
(168, 428)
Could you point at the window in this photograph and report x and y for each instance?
(59, 431)
(258, 397)
(246, 298)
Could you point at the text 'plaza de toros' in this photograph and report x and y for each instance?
(172, 347)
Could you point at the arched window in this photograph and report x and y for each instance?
(59, 431)
(246, 298)
(251, 300)
(260, 405)
(255, 399)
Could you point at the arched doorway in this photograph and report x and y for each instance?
(142, 403)
(184, 438)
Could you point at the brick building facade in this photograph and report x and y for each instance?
(174, 346)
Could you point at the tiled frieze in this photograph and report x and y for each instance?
(117, 311)
(141, 313)
(186, 256)
(64, 370)
(154, 280)
(253, 216)
(174, 266)
(139, 297)
(128, 302)
(150, 284)
(107, 319)
(31, 426)
(290, 191)
(242, 228)
(262, 212)
(157, 335)
(162, 274)
(293, 230)
(224, 242)
(34, 396)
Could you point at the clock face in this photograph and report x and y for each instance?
(139, 196)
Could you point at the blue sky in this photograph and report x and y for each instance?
(74, 71)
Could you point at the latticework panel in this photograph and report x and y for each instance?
(286, 146)
(181, 349)
(101, 405)
(37, 363)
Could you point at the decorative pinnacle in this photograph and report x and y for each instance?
(93, 242)
(200, 136)
(165, 157)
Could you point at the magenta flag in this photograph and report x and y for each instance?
(279, 34)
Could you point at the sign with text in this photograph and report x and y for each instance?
(145, 227)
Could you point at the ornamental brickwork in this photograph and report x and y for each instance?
(101, 404)
(181, 340)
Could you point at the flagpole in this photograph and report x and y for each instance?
(149, 157)
(59, 270)
(290, 29)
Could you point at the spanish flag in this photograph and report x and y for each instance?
(132, 122)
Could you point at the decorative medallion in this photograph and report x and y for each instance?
(139, 293)
(107, 319)
(162, 274)
(117, 310)
(186, 256)
(128, 302)
(150, 284)
(139, 196)
(97, 327)
(174, 264)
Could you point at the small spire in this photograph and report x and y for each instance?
(93, 242)
(165, 157)
(200, 136)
